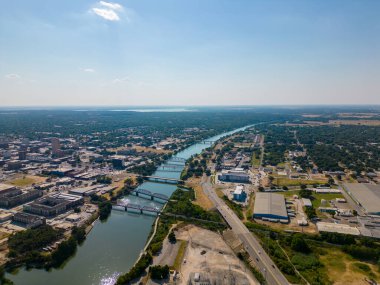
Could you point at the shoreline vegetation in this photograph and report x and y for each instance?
(177, 209)
(67, 247)
(26, 248)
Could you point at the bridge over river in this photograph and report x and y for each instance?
(163, 179)
(152, 195)
(142, 209)
(170, 168)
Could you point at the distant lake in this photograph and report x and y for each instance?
(153, 110)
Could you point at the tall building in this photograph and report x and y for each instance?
(22, 155)
(55, 146)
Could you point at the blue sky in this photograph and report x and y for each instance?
(193, 52)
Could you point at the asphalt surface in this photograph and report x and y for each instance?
(267, 267)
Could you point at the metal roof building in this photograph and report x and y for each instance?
(270, 206)
(367, 195)
(337, 228)
(307, 202)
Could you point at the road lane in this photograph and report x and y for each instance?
(267, 267)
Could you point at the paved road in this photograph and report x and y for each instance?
(269, 270)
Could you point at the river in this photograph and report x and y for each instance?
(112, 247)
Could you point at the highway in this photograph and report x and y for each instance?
(267, 267)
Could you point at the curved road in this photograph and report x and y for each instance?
(267, 267)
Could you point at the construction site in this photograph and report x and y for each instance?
(205, 259)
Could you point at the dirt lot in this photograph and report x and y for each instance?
(201, 198)
(209, 255)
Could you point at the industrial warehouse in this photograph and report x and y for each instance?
(366, 195)
(271, 207)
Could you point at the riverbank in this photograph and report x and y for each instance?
(98, 261)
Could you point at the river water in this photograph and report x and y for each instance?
(112, 247)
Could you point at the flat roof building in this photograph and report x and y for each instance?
(5, 188)
(28, 220)
(236, 175)
(239, 194)
(12, 197)
(366, 195)
(307, 202)
(337, 228)
(270, 206)
(84, 191)
(53, 205)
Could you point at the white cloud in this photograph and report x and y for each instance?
(110, 5)
(108, 10)
(12, 76)
(89, 70)
(120, 80)
(106, 14)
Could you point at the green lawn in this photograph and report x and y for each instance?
(283, 181)
(289, 194)
(317, 201)
(255, 161)
(281, 164)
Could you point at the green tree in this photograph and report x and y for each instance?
(159, 272)
(299, 244)
(140, 180)
(172, 238)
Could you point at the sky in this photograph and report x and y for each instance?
(189, 52)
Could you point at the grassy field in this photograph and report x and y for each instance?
(343, 269)
(289, 194)
(201, 198)
(180, 255)
(317, 197)
(282, 181)
(255, 161)
(317, 201)
(281, 164)
(24, 181)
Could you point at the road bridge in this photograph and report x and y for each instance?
(130, 206)
(163, 179)
(177, 158)
(152, 195)
(173, 164)
(170, 168)
(208, 142)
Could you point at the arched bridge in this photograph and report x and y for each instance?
(163, 179)
(152, 195)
